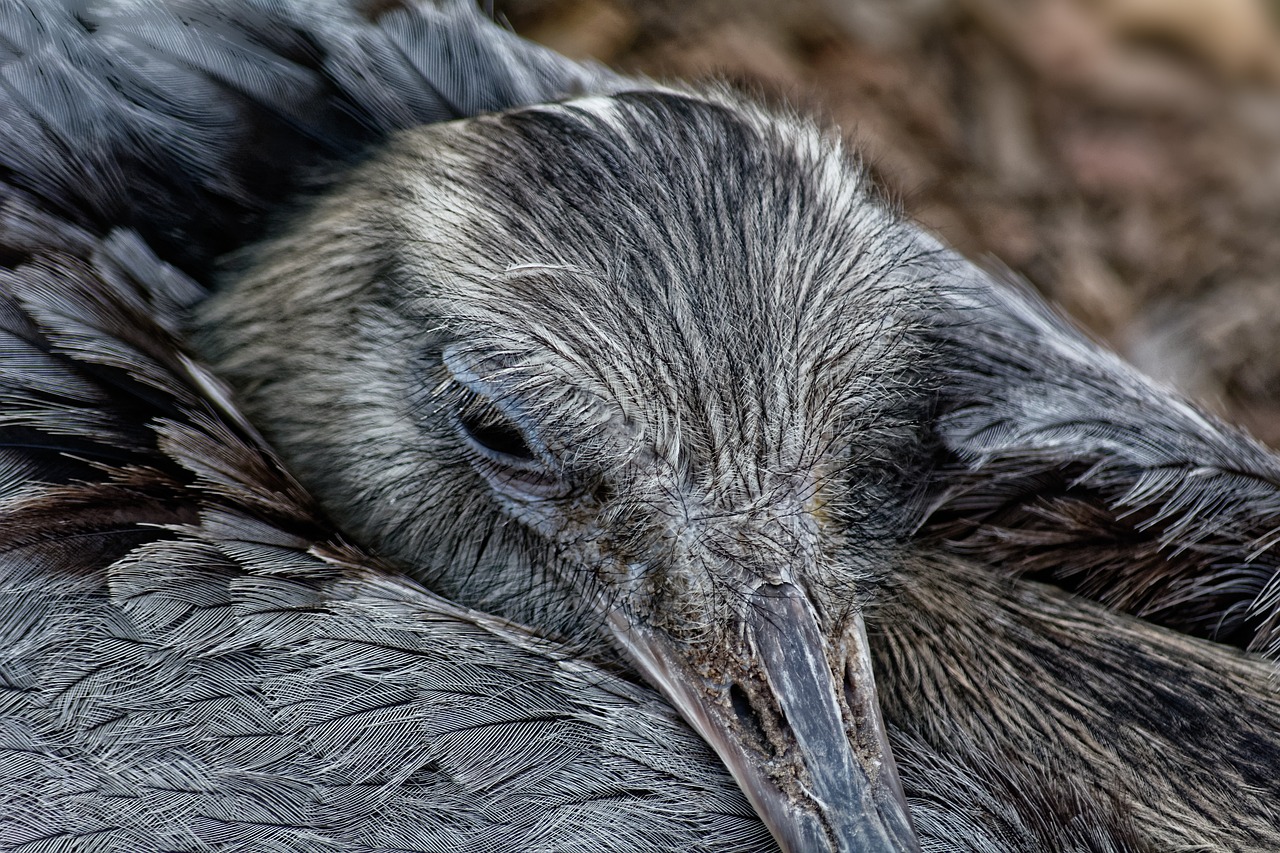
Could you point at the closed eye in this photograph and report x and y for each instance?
(502, 454)
(500, 448)
(494, 433)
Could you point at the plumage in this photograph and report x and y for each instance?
(1063, 462)
(195, 657)
(193, 660)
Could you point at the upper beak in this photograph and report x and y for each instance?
(803, 738)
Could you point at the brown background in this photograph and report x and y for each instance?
(1123, 155)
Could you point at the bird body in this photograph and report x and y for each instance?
(653, 377)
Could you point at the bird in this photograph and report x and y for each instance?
(482, 355)
(505, 355)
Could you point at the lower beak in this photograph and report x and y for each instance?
(808, 747)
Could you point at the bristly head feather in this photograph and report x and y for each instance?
(695, 307)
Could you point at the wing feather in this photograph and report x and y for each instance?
(1061, 461)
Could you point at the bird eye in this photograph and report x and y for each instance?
(503, 451)
(494, 433)
(502, 454)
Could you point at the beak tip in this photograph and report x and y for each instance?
(844, 796)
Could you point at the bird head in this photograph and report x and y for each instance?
(646, 371)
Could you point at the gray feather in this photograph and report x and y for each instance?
(187, 666)
(196, 653)
(1072, 466)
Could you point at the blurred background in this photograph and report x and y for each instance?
(1122, 155)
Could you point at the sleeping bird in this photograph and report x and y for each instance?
(564, 461)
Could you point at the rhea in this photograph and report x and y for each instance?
(654, 372)
(657, 368)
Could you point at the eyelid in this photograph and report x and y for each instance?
(460, 422)
(519, 478)
(480, 390)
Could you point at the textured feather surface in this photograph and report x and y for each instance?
(1091, 730)
(185, 120)
(188, 120)
(1027, 720)
(191, 660)
(1069, 465)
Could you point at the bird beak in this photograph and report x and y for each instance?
(807, 746)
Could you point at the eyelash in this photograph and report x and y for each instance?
(501, 453)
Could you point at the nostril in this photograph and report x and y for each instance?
(745, 712)
(855, 694)
(747, 715)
